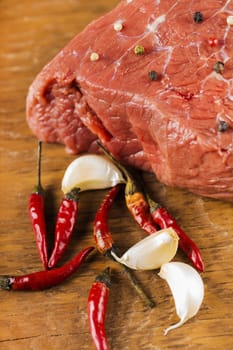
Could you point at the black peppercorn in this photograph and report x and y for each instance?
(198, 17)
(153, 75)
(223, 126)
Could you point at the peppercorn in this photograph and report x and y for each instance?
(94, 56)
(223, 126)
(153, 75)
(198, 17)
(230, 20)
(219, 67)
(139, 50)
(213, 42)
(117, 26)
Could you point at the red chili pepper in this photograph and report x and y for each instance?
(139, 208)
(97, 308)
(164, 219)
(135, 199)
(146, 212)
(104, 241)
(66, 220)
(44, 279)
(102, 235)
(36, 213)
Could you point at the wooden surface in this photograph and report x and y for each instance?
(32, 32)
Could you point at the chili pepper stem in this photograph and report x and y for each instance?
(145, 298)
(131, 185)
(129, 273)
(38, 187)
(5, 283)
(104, 277)
(118, 164)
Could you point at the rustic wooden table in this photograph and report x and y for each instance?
(32, 32)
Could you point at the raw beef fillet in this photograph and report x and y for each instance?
(153, 80)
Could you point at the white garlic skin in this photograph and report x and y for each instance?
(187, 289)
(151, 252)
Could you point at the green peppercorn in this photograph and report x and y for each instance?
(139, 50)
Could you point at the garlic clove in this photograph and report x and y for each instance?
(91, 172)
(187, 289)
(151, 252)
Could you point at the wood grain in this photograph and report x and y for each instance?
(32, 32)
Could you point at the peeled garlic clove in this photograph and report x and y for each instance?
(151, 252)
(187, 288)
(91, 172)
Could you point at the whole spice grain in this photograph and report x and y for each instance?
(219, 67)
(94, 56)
(118, 26)
(139, 50)
(213, 42)
(230, 20)
(223, 126)
(153, 75)
(198, 17)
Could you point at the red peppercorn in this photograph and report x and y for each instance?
(213, 41)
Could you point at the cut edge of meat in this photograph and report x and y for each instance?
(74, 122)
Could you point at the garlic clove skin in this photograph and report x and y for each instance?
(91, 172)
(151, 252)
(187, 289)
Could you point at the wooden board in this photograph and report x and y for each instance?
(32, 32)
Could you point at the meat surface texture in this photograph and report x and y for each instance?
(168, 109)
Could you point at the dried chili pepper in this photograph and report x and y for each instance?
(97, 308)
(145, 211)
(135, 199)
(164, 219)
(102, 235)
(44, 279)
(66, 220)
(104, 241)
(36, 213)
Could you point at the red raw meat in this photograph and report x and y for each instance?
(180, 126)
